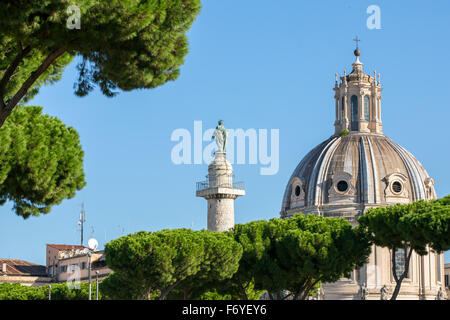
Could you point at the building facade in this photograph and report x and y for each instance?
(358, 168)
(71, 263)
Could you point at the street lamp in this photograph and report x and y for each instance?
(89, 274)
(96, 289)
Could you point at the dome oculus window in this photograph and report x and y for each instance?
(297, 191)
(397, 187)
(342, 186)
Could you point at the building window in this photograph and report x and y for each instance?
(366, 108)
(342, 108)
(354, 103)
(447, 282)
(63, 269)
(342, 186)
(400, 262)
(297, 191)
(83, 265)
(397, 187)
(73, 267)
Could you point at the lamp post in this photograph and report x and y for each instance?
(89, 274)
(96, 285)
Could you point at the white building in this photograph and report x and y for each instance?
(71, 262)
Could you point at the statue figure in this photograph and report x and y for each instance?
(384, 293)
(220, 134)
(441, 294)
(429, 182)
(363, 291)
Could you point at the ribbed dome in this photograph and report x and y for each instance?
(343, 176)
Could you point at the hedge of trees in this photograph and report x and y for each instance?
(284, 258)
(293, 254)
(59, 291)
(287, 258)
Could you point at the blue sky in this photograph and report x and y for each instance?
(255, 64)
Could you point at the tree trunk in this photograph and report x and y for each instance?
(398, 281)
(244, 293)
(187, 293)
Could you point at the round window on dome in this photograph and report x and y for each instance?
(397, 187)
(342, 186)
(297, 191)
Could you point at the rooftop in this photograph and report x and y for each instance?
(21, 267)
(66, 246)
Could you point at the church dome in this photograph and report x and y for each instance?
(345, 175)
(358, 167)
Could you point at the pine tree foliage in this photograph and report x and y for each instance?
(41, 161)
(122, 44)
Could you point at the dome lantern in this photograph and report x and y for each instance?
(358, 100)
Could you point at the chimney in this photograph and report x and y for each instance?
(4, 268)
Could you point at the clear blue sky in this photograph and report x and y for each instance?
(255, 64)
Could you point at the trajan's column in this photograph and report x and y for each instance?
(219, 189)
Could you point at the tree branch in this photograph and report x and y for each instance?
(310, 287)
(243, 289)
(394, 265)
(403, 275)
(12, 67)
(305, 289)
(6, 111)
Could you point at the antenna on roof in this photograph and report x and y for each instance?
(82, 221)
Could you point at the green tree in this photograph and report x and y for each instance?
(171, 260)
(315, 250)
(256, 238)
(412, 227)
(125, 44)
(41, 161)
(296, 254)
(220, 260)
